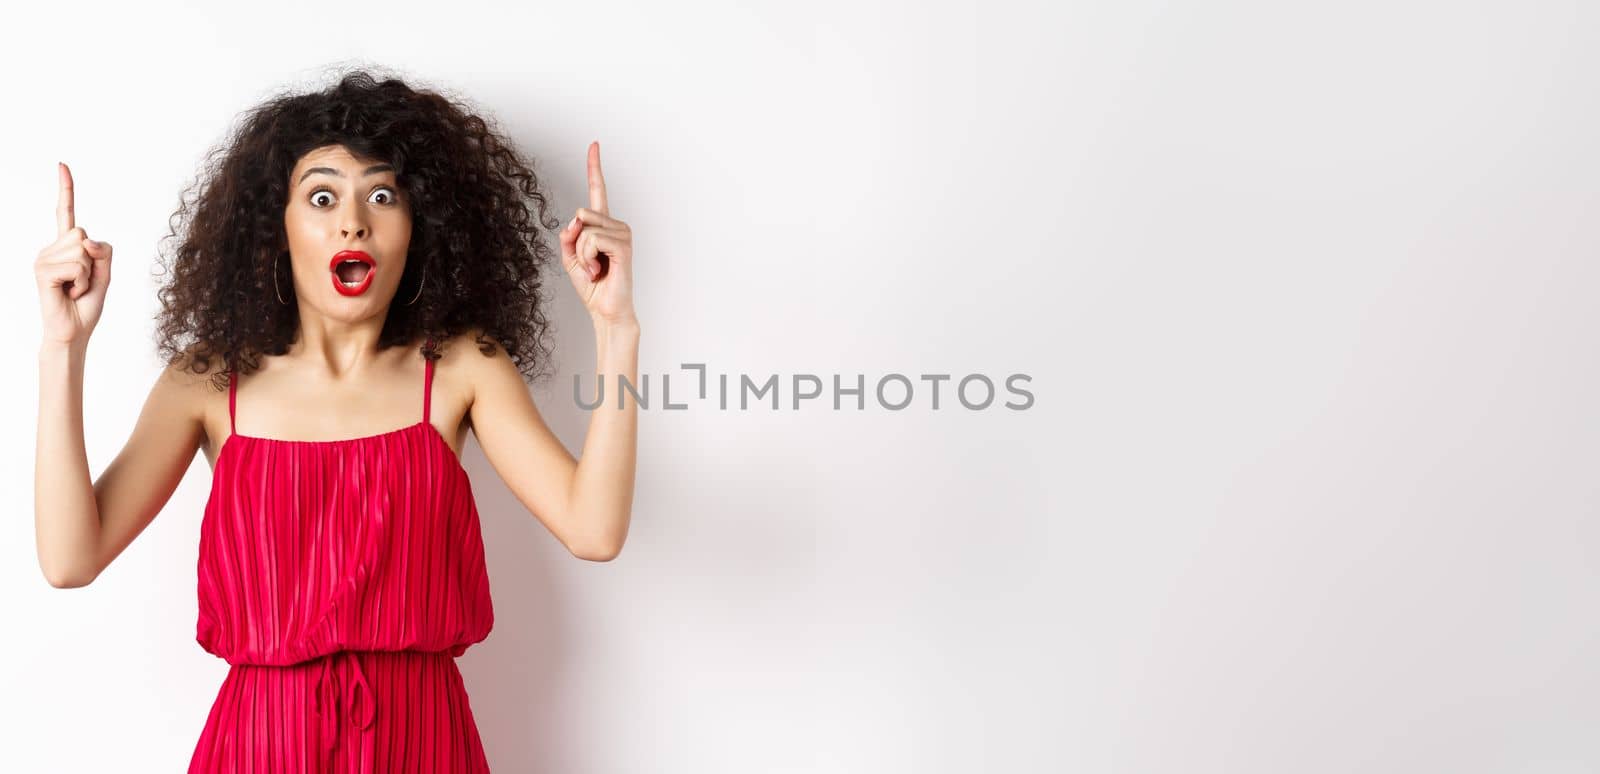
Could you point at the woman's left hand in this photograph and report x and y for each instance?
(597, 251)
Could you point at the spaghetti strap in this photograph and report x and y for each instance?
(427, 385)
(233, 391)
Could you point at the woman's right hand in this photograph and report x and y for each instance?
(72, 273)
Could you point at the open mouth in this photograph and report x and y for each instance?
(352, 271)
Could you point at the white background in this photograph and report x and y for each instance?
(1306, 292)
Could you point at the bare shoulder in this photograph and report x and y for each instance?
(191, 369)
(195, 389)
(471, 367)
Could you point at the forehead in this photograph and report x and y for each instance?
(335, 156)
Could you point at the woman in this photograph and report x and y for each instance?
(337, 236)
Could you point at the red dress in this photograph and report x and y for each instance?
(340, 579)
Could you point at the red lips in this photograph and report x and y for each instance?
(351, 255)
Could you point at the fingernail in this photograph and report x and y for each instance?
(572, 223)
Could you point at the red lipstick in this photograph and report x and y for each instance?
(351, 255)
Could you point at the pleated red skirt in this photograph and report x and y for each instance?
(372, 712)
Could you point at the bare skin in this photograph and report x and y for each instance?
(333, 383)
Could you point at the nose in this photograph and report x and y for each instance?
(354, 224)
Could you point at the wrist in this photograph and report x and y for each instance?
(61, 349)
(615, 328)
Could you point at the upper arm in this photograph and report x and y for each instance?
(532, 461)
(139, 481)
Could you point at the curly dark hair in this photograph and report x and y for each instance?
(469, 190)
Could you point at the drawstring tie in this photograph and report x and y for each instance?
(328, 682)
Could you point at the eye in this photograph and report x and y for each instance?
(321, 192)
(387, 193)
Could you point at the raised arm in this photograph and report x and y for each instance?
(78, 527)
(588, 502)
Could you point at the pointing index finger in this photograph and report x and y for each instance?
(597, 182)
(63, 199)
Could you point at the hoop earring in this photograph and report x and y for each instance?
(419, 285)
(275, 280)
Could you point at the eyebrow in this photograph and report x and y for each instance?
(372, 170)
